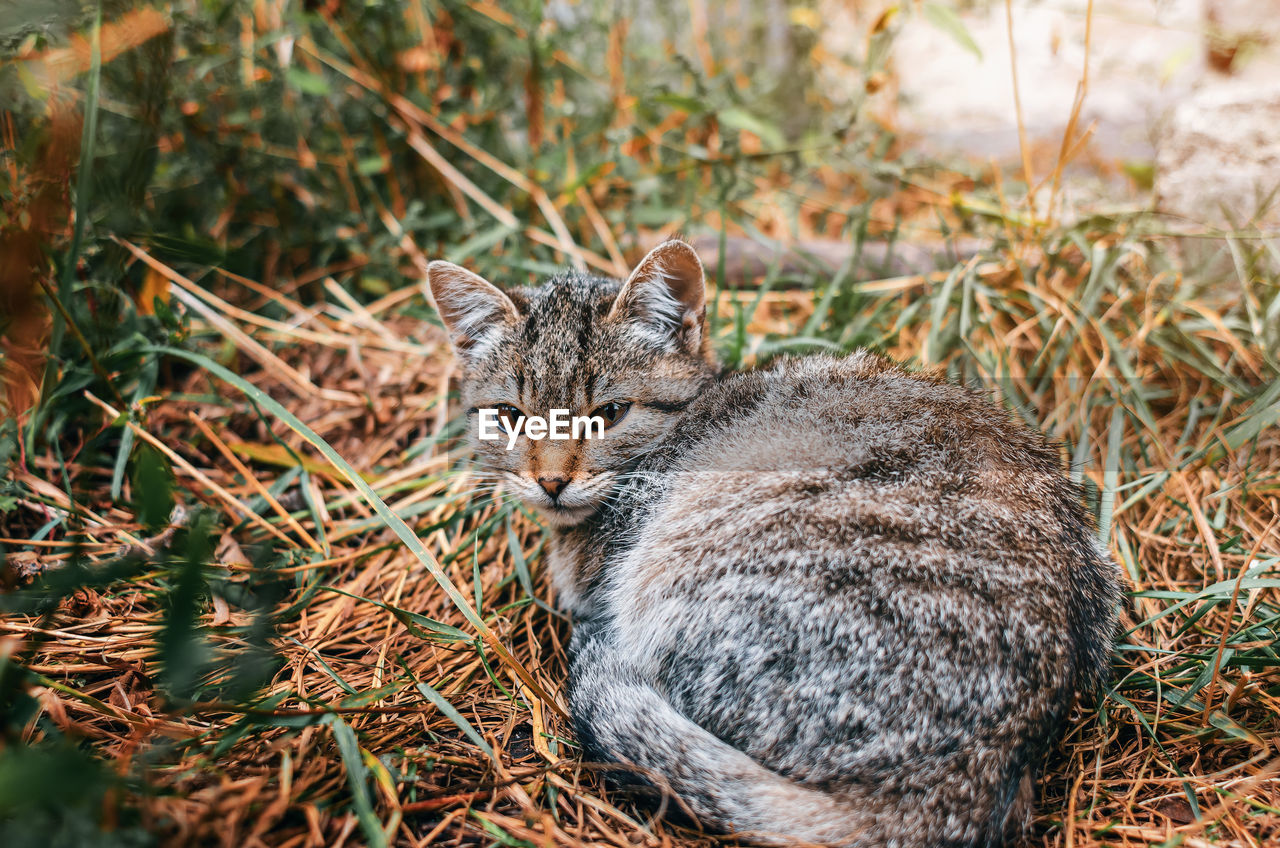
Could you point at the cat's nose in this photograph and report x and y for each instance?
(553, 486)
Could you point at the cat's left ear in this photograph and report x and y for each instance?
(665, 301)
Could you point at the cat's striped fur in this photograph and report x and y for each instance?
(826, 601)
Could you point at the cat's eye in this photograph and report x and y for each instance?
(612, 412)
(510, 416)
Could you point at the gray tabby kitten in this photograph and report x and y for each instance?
(827, 601)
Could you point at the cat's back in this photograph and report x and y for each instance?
(890, 551)
(862, 441)
(863, 417)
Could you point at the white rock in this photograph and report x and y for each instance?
(1218, 160)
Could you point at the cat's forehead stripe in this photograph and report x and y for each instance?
(557, 341)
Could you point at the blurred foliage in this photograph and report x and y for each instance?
(271, 158)
(56, 795)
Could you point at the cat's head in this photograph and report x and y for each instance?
(634, 354)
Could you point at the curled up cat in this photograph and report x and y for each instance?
(825, 601)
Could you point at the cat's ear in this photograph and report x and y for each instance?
(665, 299)
(474, 311)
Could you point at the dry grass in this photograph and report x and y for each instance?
(393, 719)
(354, 654)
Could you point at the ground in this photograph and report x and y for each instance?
(254, 593)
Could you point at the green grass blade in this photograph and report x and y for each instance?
(453, 715)
(1111, 474)
(357, 779)
(416, 623)
(392, 521)
(88, 146)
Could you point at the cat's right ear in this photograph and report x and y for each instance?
(474, 311)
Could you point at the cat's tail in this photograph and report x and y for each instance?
(620, 717)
